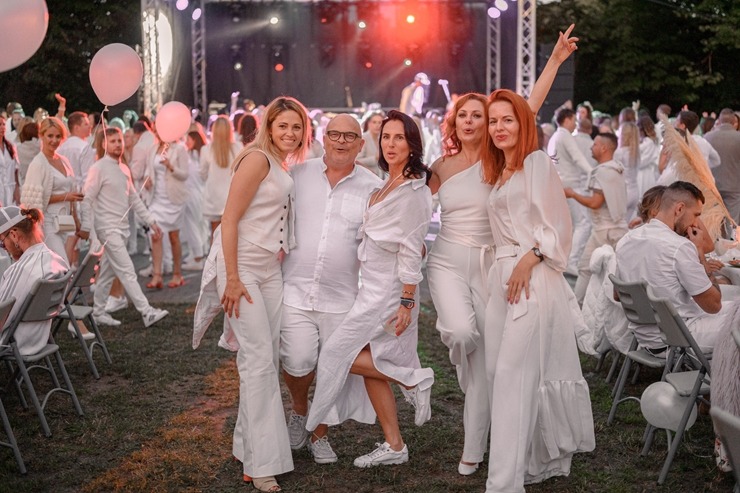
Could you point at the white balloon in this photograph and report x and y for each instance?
(172, 121)
(115, 73)
(662, 407)
(23, 25)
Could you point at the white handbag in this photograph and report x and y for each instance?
(64, 223)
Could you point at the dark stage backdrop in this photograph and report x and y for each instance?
(325, 54)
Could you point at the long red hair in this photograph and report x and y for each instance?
(493, 158)
(451, 143)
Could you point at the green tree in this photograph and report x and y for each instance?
(658, 51)
(77, 30)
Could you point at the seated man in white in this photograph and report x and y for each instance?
(668, 252)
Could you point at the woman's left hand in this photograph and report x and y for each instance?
(403, 319)
(166, 163)
(565, 45)
(520, 276)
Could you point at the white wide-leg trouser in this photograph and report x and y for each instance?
(261, 435)
(457, 280)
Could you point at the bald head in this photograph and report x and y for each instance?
(345, 121)
(342, 142)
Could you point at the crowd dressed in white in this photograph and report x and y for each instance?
(310, 231)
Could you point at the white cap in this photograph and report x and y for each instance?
(9, 217)
(422, 77)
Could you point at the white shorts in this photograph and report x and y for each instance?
(302, 334)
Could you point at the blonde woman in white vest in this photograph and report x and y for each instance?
(215, 159)
(169, 165)
(244, 263)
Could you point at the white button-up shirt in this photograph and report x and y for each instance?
(322, 272)
(572, 165)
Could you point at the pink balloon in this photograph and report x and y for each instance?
(115, 73)
(23, 25)
(173, 120)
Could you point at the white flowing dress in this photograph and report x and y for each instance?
(540, 403)
(392, 236)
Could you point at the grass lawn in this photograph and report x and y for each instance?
(161, 416)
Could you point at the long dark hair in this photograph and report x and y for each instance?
(414, 168)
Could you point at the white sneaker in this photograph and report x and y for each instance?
(421, 401)
(322, 451)
(384, 455)
(153, 316)
(297, 432)
(106, 319)
(146, 271)
(193, 265)
(116, 303)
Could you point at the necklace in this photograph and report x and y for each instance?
(385, 190)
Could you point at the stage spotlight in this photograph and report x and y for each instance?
(362, 24)
(197, 13)
(278, 57)
(238, 66)
(368, 65)
(494, 13)
(501, 5)
(410, 19)
(407, 62)
(274, 20)
(181, 4)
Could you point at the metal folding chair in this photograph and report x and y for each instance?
(692, 383)
(5, 307)
(43, 303)
(634, 300)
(728, 428)
(73, 312)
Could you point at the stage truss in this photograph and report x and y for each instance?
(153, 90)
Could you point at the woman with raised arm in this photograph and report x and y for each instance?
(377, 340)
(540, 403)
(463, 251)
(244, 263)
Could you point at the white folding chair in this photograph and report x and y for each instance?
(74, 312)
(44, 302)
(5, 307)
(692, 383)
(728, 428)
(634, 300)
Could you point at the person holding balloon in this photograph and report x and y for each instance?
(168, 165)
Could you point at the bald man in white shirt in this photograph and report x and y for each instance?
(321, 274)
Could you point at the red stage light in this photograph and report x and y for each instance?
(279, 67)
(368, 64)
(410, 18)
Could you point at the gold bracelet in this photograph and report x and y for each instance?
(408, 292)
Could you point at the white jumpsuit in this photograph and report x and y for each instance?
(540, 403)
(458, 270)
(392, 235)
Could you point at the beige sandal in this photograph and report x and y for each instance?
(267, 483)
